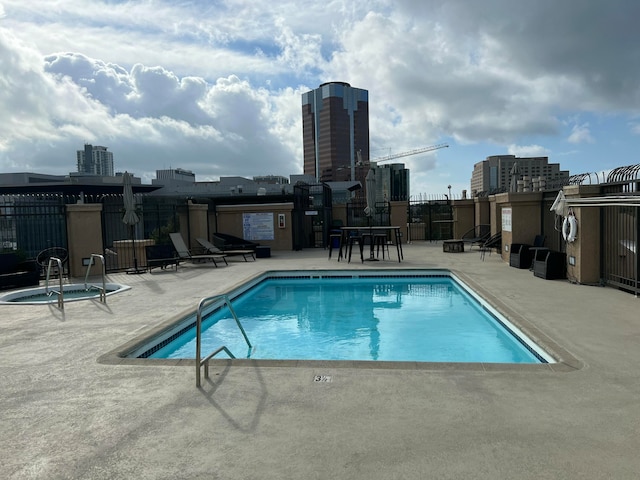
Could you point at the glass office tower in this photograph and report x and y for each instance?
(335, 130)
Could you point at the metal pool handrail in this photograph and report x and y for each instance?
(199, 362)
(103, 290)
(60, 293)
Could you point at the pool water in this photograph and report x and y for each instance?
(423, 319)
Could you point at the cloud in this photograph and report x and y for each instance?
(528, 151)
(215, 86)
(424, 85)
(148, 116)
(580, 134)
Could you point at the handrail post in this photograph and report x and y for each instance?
(103, 292)
(198, 361)
(46, 285)
(198, 340)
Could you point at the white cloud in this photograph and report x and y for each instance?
(149, 117)
(580, 134)
(528, 151)
(215, 86)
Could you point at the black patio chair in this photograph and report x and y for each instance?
(42, 259)
(477, 235)
(491, 243)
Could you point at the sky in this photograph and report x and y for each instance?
(215, 86)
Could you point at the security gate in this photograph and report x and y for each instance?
(620, 232)
(431, 221)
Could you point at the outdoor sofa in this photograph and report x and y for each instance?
(15, 273)
(161, 256)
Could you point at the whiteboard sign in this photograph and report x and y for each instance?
(258, 226)
(506, 219)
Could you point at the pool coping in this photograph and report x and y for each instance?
(565, 361)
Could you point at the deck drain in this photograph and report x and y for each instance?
(322, 378)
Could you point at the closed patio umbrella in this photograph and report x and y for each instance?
(130, 216)
(370, 184)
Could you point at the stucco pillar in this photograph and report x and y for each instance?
(520, 218)
(398, 216)
(84, 235)
(583, 254)
(198, 227)
(463, 217)
(482, 214)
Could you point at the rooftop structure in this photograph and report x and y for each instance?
(495, 173)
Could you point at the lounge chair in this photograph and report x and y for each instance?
(161, 256)
(186, 255)
(212, 249)
(226, 242)
(477, 235)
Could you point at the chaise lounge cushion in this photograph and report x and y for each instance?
(16, 274)
(225, 241)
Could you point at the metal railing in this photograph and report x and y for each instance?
(103, 289)
(60, 293)
(205, 361)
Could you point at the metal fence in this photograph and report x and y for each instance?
(430, 220)
(33, 222)
(312, 216)
(357, 216)
(124, 245)
(620, 239)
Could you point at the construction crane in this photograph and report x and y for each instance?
(410, 152)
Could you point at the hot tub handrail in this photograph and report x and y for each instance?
(103, 290)
(199, 362)
(60, 293)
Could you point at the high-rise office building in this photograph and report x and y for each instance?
(494, 173)
(335, 131)
(95, 160)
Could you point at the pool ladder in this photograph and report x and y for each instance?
(103, 289)
(60, 293)
(54, 261)
(205, 361)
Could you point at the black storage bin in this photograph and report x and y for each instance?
(550, 265)
(520, 256)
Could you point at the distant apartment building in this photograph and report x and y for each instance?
(495, 173)
(335, 131)
(95, 160)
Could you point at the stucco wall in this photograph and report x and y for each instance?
(230, 220)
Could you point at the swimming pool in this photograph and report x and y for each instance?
(421, 316)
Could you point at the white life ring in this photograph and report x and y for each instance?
(569, 228)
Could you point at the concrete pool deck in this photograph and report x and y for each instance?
(67, 415)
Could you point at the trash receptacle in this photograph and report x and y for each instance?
(334, 235)
(263, 251)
